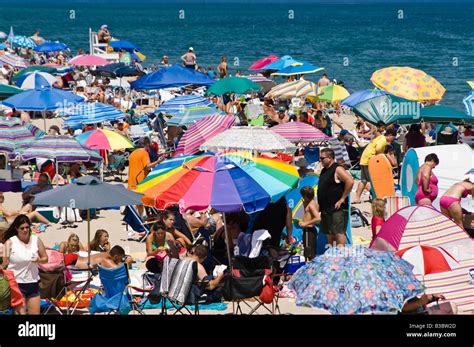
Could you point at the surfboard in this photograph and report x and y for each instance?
(381, 176)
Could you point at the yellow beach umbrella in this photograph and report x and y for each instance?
(300, 88)
(333, 93)
(471, 84)
(408, 83)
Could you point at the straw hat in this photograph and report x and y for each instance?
(447, 131)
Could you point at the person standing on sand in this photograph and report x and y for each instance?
(335, 185)
(310, 219)
(189, 59)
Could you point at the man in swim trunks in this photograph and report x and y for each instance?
(189, 59)
(113, 258)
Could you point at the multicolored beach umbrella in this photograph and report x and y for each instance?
(281, 63)
(181, 103)
(237, 85)
(229, 183)
(29, 81)
(62, 148)
(13, 60)
(104, 139)
(301, 68)
(191, 115)
(16, 135)
(201, 131)
(333, 93)
(262, 62)
(300, 89)
(91, 113)
(298, 132)
(22, 42)
(408, 83)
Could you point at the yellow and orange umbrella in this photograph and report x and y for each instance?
(408, 83)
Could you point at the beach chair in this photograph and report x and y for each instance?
(311, 154)
(180, 287)
(259, 121)
(116, 297)
(133, 220)
(246, 282)
(395, 203)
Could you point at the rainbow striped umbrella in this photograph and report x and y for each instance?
(191, 115)
(62, 148)
(13, 60)
(15, 135)
(299, 88)
(299, 132)
(408, 83)
(227, 182)
(104, 139)
(201, 131)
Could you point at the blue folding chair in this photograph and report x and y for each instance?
(311, 154)
(136, 222)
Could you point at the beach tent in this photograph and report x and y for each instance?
(174, 76)
(454, 162)
(424, 225)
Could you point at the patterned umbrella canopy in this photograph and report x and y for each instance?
(249, 139)
(191, 115)
(62, 148)
(22, 41)
(355, 280)
(299, 132)
(408, 83)
(181, 103)
(91, 113)
(227, 182)
(201, 131)
(104, 139)
(16, 135)
(13, 60)
(300, 88)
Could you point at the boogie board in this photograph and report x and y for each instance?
(381, 176)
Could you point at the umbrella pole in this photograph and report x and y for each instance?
(229, 258)
(44, 119)
(57, 173)
(88, 239)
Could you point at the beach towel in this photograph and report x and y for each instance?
(167, 274)
(340, 151)
(181, 281)
(215, 306)
(258, 237)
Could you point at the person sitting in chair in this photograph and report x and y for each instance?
(159, 245)
(111, 259)
(104, 35)
(199, 254)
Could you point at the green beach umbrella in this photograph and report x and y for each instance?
(236, 85)
(389, 109)
(29, 69)
(6, 91)
(444, 114)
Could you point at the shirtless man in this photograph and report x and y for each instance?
(310, 219)
(104, 35)
(199, 254)
(189, 59)
(113, 258)
(323, 81)
(222, 67)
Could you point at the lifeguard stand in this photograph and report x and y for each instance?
(100, 49)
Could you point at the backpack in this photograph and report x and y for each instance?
(357, 218)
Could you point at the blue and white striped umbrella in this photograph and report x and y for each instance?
(91, 113)
(22, 41)
(469, 103)
(181, 103)
(29, 81)
(191, 115)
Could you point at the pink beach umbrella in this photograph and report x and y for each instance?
(201, 131)
(88, 60)
(299, 132)
(428, 259)
(261, 63)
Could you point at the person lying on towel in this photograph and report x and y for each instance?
(113, 258)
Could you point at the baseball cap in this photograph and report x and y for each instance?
(104, 26)
(281, 109)
(344, 132)
(191, 49)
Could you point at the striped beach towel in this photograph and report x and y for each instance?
(169, 265)
(340, 151)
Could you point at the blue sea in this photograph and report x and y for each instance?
(350, 40)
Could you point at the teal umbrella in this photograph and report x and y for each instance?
(6, 91)
(238, 85)
(389, 109)
(444, 114)
(33, 68)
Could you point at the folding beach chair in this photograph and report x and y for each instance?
(133, 219)
(395, 203)
(311, 154)
(116, 297)
(246, 281)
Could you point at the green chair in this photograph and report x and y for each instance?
(259, 121)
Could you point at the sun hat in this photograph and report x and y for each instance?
(447, 131)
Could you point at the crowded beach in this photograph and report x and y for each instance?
(136, 187)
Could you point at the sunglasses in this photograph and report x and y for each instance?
(322, 158)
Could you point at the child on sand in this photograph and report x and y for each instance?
(378, 217)
(310, 219)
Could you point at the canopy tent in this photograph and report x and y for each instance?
(454, 162)
(174, 76)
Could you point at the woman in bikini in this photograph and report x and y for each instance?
(159, 245)
(168, 218)
(72, 245)
(427, 181)
(450, 202)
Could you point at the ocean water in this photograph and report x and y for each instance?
(350, 40)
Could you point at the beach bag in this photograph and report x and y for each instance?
(70, 215)
(357, 218)
(268, 292)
